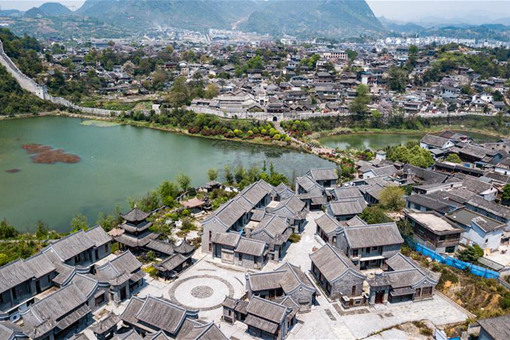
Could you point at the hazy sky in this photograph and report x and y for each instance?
(403, 10)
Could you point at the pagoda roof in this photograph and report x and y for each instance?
(135, 215)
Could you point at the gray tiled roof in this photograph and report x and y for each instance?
(433, 140)
(497, 327)
(266, 309)
(323, 174)
(406, 272)
(161, 247)
(251, 247)
(327, 223)
(464, 217)
(135, 215)
(9, 330)
(126, 263)
(71, 245)
(347, 192)
(14, 273)
(332, 263)
(272, 225)
(85, 284)
(347, 207)
(294, 278)
(373, 235)
(98, 236)
(227, 239)
(172, 262)
(307, 183)
(161, 314)
(291, 207)
(494, 208)
(55, 310)
(193, 330)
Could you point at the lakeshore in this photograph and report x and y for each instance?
(117, 162)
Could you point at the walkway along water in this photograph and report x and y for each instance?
(41, 91)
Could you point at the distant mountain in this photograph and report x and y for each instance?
(400, 27)
(189, 14)
(295, 17)
(49, 9)
(54, 9)
(314, 17)
(10, 13)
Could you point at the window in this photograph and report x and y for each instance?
(450, 249)
(99, 300)
(353, 291)
(418, 292)
(240, 257)
(254, 260)
(427, 291)
(210, 246)
(374, 248)
(442, 238)
(367, 250)
(355, 252)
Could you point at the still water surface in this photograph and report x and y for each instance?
(117, 162)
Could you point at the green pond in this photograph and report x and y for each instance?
(374, 141)
(117, 162)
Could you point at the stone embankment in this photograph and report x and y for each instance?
(40, 91)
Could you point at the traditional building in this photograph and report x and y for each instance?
(268, 319)
(405, 280)
(234, 249)
(287, 280)
(61, 314)
(367, 246)
(325, 177)
(120, 277)
(136, 233)
(338, 276)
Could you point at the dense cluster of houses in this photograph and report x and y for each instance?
(288, 83)
(53, 294)
(359, 264)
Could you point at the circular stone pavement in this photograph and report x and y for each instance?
(203, 292)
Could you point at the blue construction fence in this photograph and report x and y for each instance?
(453, 262)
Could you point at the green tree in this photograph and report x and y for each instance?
(79, 222)
(4, 259)
(397, 79)
(351, 55)
(359, 105)
(453, 158)
(168, 192)
(470, 253)
(212, 174)
(184, 181)
(108, 222)
(7, 231)
(239, 173)
(374, 215)
(505, 196)
(229, 177)
(392, 198)
(211, 91)
(41, 230)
